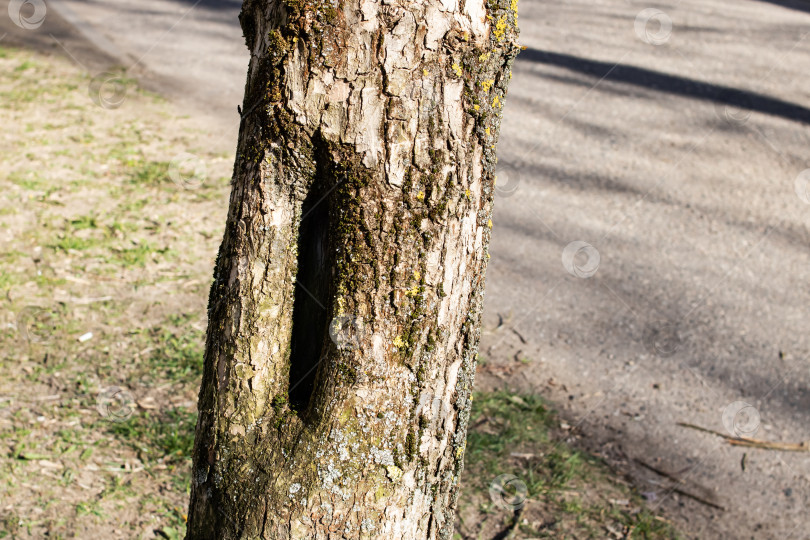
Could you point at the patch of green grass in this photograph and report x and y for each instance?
(125, 151)
(166, 435)
(521, 424)
(120, 228)
(173, 516)
(85, 138)
(26, 179)
(71, 242)
(131, 204)
(514, 421)
(148, 173)
(117, 488)
(26, 65)
(28, 87)
(178, 354)
(7, 280)
(89, 508)
(520, 435)
(137, 255)
(46, 279)
(67, 239)
(10, 524)
(171, 533)
(84, 222)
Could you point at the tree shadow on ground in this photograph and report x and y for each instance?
(671, 84)
(799, 5)
(219, 5)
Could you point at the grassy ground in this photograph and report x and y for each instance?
(522, 480)
(108, 241)
(109, 223)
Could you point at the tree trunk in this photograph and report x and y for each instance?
(345, 310)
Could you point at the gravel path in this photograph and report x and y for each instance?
(650, 254)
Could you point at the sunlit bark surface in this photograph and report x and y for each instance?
(344, 314)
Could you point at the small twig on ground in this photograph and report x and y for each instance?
(698, 498)
(520, 455)
(753, 443)
(522, 339)
(680, 481)
(658, 471)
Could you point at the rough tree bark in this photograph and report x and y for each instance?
(344, 314)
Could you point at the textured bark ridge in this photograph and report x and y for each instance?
(344, 315)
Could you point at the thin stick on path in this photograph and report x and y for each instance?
(678, 480)
(753, 443)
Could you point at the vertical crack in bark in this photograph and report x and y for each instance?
(310, 306)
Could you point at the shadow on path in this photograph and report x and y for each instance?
(215, 5)
(672, 84)
(799, 5)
